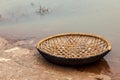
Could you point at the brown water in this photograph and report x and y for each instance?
(20, 19)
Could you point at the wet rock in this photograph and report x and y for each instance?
(3, 43)
(26, 43)
(22, 63)
(4, 59)
(11, 50)
(102, 77)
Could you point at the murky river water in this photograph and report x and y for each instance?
(41, 18)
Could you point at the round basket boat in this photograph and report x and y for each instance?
(73, 48)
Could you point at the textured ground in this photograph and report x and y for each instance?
(20, 61)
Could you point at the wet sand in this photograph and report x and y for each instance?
(20, 61)
(23, 24)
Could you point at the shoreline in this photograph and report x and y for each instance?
(21, 56)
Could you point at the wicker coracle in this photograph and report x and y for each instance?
(73, 48)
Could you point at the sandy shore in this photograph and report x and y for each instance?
(19, 60)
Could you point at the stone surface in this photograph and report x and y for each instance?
(21, 63)
(3, 43)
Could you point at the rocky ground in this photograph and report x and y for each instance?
(19, 60)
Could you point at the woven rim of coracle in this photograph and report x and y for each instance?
(72, 34)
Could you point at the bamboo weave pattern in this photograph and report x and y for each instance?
(74, 46)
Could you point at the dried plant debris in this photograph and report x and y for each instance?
(42, 10)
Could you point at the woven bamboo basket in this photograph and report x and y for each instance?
(73, 48)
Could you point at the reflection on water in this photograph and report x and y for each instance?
(97, 67)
